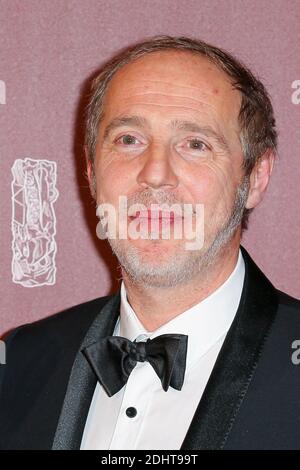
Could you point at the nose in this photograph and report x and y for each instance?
(157, 171)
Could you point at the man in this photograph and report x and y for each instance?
(195, 350)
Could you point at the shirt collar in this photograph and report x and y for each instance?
(204, 323)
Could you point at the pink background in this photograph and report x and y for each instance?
(48, 50)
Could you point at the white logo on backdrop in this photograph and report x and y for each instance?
(33, 222)
(2, 92)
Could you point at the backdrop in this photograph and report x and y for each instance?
(49, 49)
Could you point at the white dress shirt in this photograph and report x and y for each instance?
(163, 418)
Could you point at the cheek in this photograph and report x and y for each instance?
(112, 182)
(213, 187)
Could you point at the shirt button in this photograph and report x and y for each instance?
(131, 412)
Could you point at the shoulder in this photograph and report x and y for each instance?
(288, 302)
(67, 327)
(260, 281)
(286, 324)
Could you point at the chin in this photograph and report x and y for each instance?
(157, 252)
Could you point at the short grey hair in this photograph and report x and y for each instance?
(256, 116)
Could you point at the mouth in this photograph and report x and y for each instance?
(157, 215)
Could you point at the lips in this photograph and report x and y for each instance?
(156, 214)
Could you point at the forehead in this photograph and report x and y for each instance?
(176, 74)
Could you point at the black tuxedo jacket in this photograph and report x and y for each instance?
(251, 401)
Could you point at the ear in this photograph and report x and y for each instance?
(90, 173)
(259, 179)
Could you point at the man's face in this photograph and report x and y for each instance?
(170, 135)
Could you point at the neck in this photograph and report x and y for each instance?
(155, 306)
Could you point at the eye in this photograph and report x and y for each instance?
(196, 144)
(127, 140)
(193, 147)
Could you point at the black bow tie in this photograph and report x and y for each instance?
(113, 358)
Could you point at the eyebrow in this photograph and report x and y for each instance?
(136, 121)
(189, 126)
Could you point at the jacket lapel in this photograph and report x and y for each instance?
(236, 362)
(83, 381)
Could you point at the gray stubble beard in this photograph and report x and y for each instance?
(196, 263)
